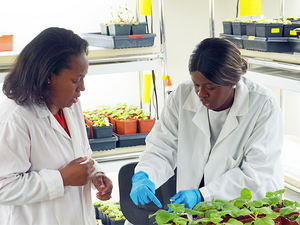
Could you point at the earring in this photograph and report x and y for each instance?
(234, 86)
(48, 82)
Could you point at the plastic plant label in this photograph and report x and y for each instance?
(275, 30)
(251, 38)
(106, 121)
(293, 32)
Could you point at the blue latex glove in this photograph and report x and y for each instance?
(187, 197)
(143, 190)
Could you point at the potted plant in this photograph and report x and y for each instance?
(6, 42)
(98, 124)
(109, 212)
(269, 28)
(144, 122)
(122, 23)
(241, 210)
(126, 125)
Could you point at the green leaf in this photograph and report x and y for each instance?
(243, 212)
(194, 212)
(201, 206)
(298, 220)
(163, 216)
(216, 220)
(288, 202)
(234, 222)
(275, 199)
(240, 202)
(246, 194)
(177, 208)
(264, 221)
(266, 201)
(269, 194)
(181, 221)
(264, 210)
(287, 210)
(256, 203)
(279, 192)
(210, 213)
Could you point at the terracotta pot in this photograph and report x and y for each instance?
(145, 126)
(113, 122)
(126, 127)
(286, 221)
(89, 124)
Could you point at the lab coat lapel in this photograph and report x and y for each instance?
(43, 111)
(56, 126)
(194, 104)
(73, 129)
(239, 108)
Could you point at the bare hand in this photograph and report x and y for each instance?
(104, 186)
(77, 173)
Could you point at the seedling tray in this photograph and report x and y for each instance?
(288, 30)
(131, 139)
(236, 39)
(124, 41)
(105, 219)
(269, 30)
(227, 27)
(294, 44)
(103, 143)
(272, 44)
(239, 28)
(250, 29)
(102, 132)
(249, 42)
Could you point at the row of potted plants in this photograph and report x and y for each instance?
(122, 22)
(123, 119)
(268, 210)
(109, 213)
(281, 27)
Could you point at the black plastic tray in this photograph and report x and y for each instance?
(227, 27)
(102, 132)
(236, 39)
(103, 143)
(272, 44)
(294, 44)
(124, 41)
(269, 30)
(131, 139)
(239, 28)
(105, 219)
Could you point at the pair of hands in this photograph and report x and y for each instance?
(79, 172)
(143, 192)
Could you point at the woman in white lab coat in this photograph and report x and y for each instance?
(46, 170)
(221, 131)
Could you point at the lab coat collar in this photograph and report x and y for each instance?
(240, 104)
(43, 111)
(239, 107)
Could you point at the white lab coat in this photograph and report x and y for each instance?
(34, 147)
(246, 153)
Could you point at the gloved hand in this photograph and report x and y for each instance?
(187, 197)
(143, 190)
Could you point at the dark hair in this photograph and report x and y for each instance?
(219, 60)
(49, 52)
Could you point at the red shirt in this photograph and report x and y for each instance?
(62, 121)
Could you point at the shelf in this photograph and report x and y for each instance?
(118, 153)
(104, 61)
(286, 80)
